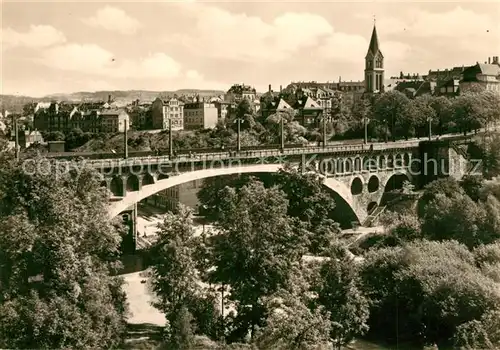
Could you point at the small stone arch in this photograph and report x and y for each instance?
(396, 181)
(356, 186)
(406, 159)
(340, 166)
(357, 164)
(398, 160)
(382, 162)
(373, 184)
(116, 186)
(348, 165)
(390, 161)
(132, 183)
(327, 166)
(147, 179)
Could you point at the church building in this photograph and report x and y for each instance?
(374, 66)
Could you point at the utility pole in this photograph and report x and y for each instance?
(170, 139)
(386, 130)
(282, 134)
(238, 121)
(324, 131)
(366, 129)
(125, 139)
(16, 139)
(430, 128)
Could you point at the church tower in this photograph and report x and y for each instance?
(374, 66)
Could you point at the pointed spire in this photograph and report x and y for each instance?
(374, 47)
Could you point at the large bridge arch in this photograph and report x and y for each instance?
(147, 190)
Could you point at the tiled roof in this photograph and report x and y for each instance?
(308, 103)
(490, 69)
(416, 87)
(111, 112)
(283, 105)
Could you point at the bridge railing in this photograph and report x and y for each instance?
(103, 163)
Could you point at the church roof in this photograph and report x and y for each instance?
(374, 46)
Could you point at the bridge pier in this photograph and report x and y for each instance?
(129, 219)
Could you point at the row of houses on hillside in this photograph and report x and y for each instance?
(202, 113)
(451, 82)
(89, 117)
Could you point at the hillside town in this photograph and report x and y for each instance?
(309, 101)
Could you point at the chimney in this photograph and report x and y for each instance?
(109, 98)
(495, 60)
(489, 60)
(281, 88)
(270, 88)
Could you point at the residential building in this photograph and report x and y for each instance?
(414, 88)
(113, 121)
(483, 76)
(223, 109)
(92, 117)
(308, 111)
(447, 88)
(186, 194)
(200, 115)
(238, 92)
(374, 66)
(445, 74)
(165, 110)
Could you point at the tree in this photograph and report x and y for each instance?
(389, 108)
(423, 292)
(308, 201)
(339, 293)
(53, 136)
(291, 323)
(182, 337)
(415, 118)
(458, 218)
(470, 112)
(442, 108)
(58, 250)
(472, 186)
(249, 255)
(174, 275)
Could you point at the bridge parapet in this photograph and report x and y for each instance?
(339, 149)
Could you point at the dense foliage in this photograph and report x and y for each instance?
(58, 250)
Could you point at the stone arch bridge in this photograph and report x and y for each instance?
(358, 174)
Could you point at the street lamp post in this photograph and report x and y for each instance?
(282, 133)
(238, 122)
(170, 139)
(430, 127)
(386, 130)
(366, 120)
(326, 118)
(125, 139)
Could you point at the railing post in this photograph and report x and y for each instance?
(125, 139)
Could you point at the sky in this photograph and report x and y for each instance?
(63, 47)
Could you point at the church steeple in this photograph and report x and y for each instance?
(374, 65)
(374, 46)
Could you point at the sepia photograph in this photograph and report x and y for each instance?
(250, 175)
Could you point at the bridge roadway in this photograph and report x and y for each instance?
(333, 147)
(329, 149)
